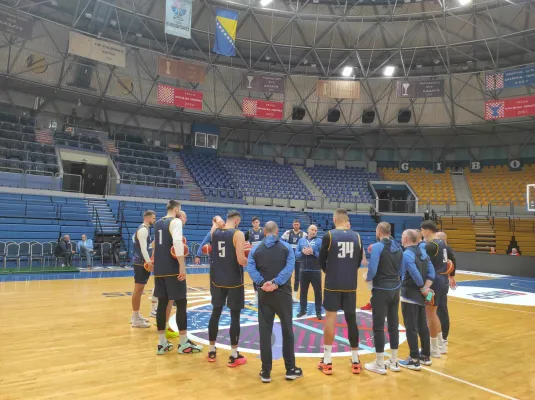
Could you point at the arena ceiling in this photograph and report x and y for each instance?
(304, 41)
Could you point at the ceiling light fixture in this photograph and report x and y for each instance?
(347, 71)
(389, 70)
(464, 2)
(264, 3)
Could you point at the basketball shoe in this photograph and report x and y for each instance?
(294, 373)
(393, 365)
(236, 361)
(189, 348)
(162, 349)
(374, 367)
(327, 369)
(140, 323)
(367, 307)
(265, 376)
(410, 364)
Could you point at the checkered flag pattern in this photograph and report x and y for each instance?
(249, 107)
(494, 81)
(166, 95)
(495, 109)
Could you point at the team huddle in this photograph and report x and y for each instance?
(416, 276)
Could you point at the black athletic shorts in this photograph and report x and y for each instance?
(336, 301)
(170, 287)
(440, 287)
(141, 275)
(234, 298)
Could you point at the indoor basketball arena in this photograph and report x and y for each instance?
(251, 199)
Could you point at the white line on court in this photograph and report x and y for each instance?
(484, 305)
(470, 384)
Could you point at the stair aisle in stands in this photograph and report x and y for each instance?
(195, 193)
(108, 224)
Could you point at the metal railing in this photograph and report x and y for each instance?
(78, 182)
(397, 206)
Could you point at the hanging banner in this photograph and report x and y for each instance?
(404, 167)
(338, 89)
(15, 24)
(178, 18)
(262, 109)
(226, 25)
(510, 108)
(185, 71)
(263, 83)
(510, 78)
(173, 96)
(420, 89)
(96, 49)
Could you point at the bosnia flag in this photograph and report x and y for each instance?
(225, 32)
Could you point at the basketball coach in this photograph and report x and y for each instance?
(270, 265)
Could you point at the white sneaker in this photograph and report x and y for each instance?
(392, 365)
(444, 348)
(153, 313)
(140, 323)
(140, 316)
(435, 353)
(374, 367)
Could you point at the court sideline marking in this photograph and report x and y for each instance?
(484, 305)
(470, 384)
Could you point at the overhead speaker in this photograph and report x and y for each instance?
(404, 116)
(368, 117)
(298, 113)
(333, 115)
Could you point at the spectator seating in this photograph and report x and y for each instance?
(461, 232)
(515, 232)
(497, 183)
(32, 219)
(83, 142)
(429, 187)
(20, 150)
(266, 179)
(200, 220)
(140, 164)
(216, 183)
(349, 185)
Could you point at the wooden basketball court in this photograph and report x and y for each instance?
(71, 339)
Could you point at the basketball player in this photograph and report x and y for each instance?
(292, 236)
(308, 250)
(226, 284)
(442, 311)
(255, 236)
(436, 250)
(217, 222)
(384, 270)
(170, 279)
(417, 274)
(142, 242)
(340, 257)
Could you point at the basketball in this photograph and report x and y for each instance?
(184, 240)
(247, 249)
(207, 249)
(450, 267)
(146, 266)
(186, 251)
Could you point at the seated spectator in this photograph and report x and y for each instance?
(66, 251)
(514, 252)
(86, 249)
(492, 250)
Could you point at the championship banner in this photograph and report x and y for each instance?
(338, 89)
(178, 18)
(510, 108)
(510, 78)
(96, 49)
(263, 83)
(173, 96)
(185, 71)
(262, 109)
(15, 24)
(420, 89)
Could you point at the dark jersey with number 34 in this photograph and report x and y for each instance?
(340, 258)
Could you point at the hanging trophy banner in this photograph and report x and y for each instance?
(420, 89)
(263, 83)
